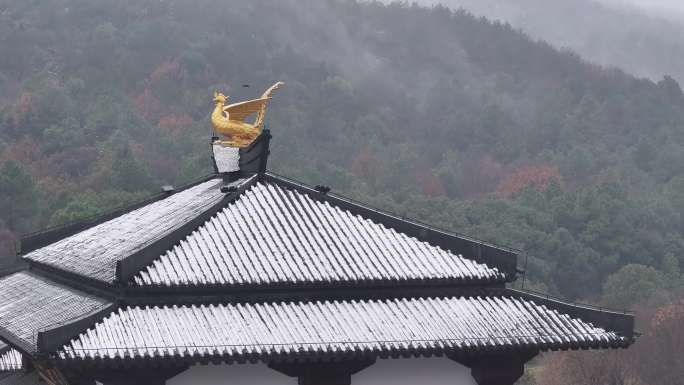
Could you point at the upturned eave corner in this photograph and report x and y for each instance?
(622, 322)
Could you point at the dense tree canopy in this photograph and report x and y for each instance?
(455, 120)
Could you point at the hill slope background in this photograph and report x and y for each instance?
(462, 122)
(643, 37)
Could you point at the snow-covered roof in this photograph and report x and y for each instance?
(10, 359)
(248, 265)
(274, 235)
(30, 304)
(93, 252)
(368, 327)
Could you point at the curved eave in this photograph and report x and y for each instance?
(457, 326)
(253, 358)
(622, 322)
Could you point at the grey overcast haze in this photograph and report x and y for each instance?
(663, 7)
(667, 8)
(642, 37)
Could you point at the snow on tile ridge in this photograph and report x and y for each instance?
(93, 252)
(10, 360)
(377, 326)
(274, 235)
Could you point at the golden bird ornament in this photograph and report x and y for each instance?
(230, 120)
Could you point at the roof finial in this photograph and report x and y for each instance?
(229, 120)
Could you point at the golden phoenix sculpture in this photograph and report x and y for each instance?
(229, 120)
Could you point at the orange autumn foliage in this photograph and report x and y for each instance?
(365, 165)
(26, 152)
(22, 107)
(430, 184)
(148, 106)
(175, 124)
(539, 177)
(480, 176)
(166, 70)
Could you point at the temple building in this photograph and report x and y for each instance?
(247, 277)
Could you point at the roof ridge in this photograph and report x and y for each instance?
(131, 265)
(34, 240)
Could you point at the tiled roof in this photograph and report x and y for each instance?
(10, 359)
(273, 235)
(371, 327)
(94, 252)
(30, 304)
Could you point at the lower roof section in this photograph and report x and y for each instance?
(320, 330)
(10, 359)
(31, 305)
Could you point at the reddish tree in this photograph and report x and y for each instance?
(588, 368)
(138, 150)
(655, 358)
(26, 152)
(22, 108)
(148, 106)
(658, 353)
(480, 176)
(166, 81)
(539, 177)
(175, 124)
(76, 163)
(168, 70)
(431, 185)
(365, 165)
(164, 167)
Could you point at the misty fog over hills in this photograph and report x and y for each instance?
(673, 9)
(643, 37)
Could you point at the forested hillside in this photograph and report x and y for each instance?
(643, 41)
(461, 122)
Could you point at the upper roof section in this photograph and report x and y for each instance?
(268, 231)
(94, 252)
(275, 235)
(245, 227)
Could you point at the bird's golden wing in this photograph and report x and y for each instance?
(240, 111)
